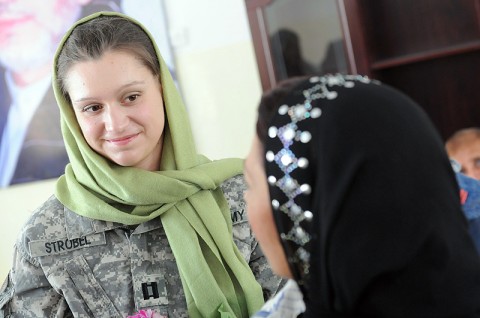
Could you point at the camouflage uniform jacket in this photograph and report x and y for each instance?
(66, 265)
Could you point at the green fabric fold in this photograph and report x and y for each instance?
(185, 194)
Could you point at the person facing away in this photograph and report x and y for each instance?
(464, 147)
(351, 194)
(139, 220)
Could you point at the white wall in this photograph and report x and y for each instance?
(217, 71)
(17, 203)
(219, 80)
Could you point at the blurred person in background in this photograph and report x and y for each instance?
(31, 144)
(464, 147)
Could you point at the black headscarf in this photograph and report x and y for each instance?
(367, 205)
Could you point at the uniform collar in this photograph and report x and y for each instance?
(79, 226)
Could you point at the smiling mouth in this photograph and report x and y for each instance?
(122, 140)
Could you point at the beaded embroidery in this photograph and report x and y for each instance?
(287, 161)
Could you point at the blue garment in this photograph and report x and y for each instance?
(43, 154)
(471, 205)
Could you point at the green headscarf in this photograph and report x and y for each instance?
(185, 194)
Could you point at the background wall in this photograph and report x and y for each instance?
(217, 72)
(217, 75)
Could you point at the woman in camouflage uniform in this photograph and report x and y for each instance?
(139, 219)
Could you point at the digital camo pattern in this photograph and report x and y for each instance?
(245, 240)
(66, 265)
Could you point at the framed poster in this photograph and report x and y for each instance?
(31, 145)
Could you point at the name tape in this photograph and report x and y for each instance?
(54, 247)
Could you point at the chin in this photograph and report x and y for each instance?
(125, 163)
(122, 161)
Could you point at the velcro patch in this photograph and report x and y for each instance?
(54, 247)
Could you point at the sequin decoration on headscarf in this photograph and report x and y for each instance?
(296, 236)
(366, 203)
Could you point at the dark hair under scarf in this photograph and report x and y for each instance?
(366, 203)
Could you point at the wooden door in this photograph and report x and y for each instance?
(430, 49)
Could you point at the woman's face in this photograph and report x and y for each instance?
(260, 212)
(119, 106)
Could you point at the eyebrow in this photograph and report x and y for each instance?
(119, 89)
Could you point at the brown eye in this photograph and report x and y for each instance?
(476, 162)
(92, 108)
(132, 98)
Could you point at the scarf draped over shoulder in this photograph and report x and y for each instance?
(185, 194)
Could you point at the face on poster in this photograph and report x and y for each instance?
(31, 146)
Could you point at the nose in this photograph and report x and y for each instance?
(116, 118)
